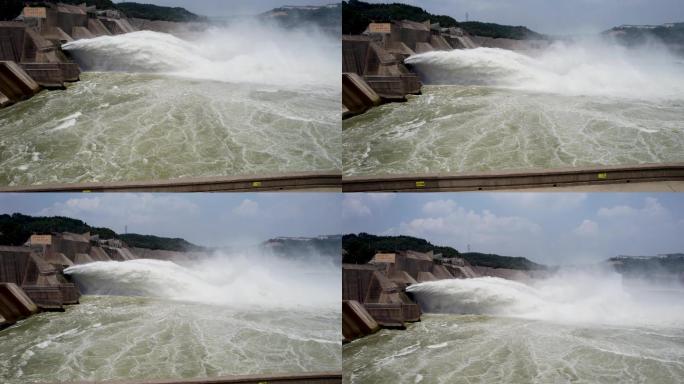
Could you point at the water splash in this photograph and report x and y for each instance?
(590, 67)
(236, 281)
(244, 53)
(567, 297)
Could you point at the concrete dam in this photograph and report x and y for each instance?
(476, 106)
(99, 310)
(206, 107)
(411, 316)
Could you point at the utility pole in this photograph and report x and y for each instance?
(466, 16)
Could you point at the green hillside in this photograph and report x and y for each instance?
(361, 248)
(155, 12)
(16, 229)
(356, 15)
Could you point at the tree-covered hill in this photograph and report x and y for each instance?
(10, 9)
(497, 30)
(359, 249)
(16, 229)
(649, 265)
(156, 12)
(327, 17)
(356, 15)
(156, 242)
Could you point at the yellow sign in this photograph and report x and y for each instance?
(602, 176)
(256, 184)
(41, 240)
(384, 258)
(37, 12)
(420, 184)
(380, 28)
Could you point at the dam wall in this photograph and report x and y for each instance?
(34, 44)
(15, 83)
(381, 298)
(356, 321)
(378, 288)
(15, 304)
(39, 278)
(357, 95)
(378, 55)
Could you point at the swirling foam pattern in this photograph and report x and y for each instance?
(109, 338)
(464, 349)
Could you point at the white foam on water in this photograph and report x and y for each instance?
(247, 52)
(572, 297)
(587, 67)
(238, 281)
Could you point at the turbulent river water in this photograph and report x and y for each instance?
(493, 109)
(153, 106)
(489, 330)
(189, 324)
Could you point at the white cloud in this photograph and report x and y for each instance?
(354, 206)
(380, 197)
(439, 207)
(247, 208)
(652, 208)
(588, 228)
(546, 201)
(485, 229)
(123, 209)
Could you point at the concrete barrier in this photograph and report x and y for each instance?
(387, 315)
(289, 378)
(15, 83)
(96, 27)
(357, 95)
(515, 179)
(356, 321)
(81, 33)
(15, 304)
(327, 181)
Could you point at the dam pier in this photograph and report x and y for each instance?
(374, 295)
(373, 63)
(31, 57)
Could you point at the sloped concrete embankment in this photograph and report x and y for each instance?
(15, 304)
(15, 84)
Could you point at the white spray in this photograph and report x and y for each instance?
(588, 67)
(596, 297)
(248, 52)
(235, 280)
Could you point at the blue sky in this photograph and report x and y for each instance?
(557, 16)
(219, 8)
(204, 219)
(551, 228)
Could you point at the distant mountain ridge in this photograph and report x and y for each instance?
(327, 17)
(356, 15)
(670, 34)
(360, 249)
(13, 8)
(293, 247)
(16, 229)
